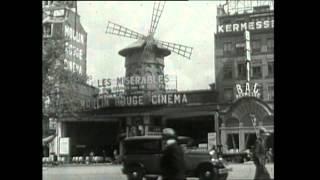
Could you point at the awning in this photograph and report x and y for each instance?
(48, 139)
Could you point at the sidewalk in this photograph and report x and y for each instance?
(78, 165)
(245, 170)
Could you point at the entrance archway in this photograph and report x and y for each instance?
(241, 118)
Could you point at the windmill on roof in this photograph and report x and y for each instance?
(145, 57)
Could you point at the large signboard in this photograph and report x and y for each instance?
(136, 83)
(252, 25)
(75, 47)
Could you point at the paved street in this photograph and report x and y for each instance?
(113, 172)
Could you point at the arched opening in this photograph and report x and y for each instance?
(241, 120)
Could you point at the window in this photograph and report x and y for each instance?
(227, 72)
(47, 3)
(256, 72)
(270, 44)
(256, 45)
(240, 48)
(250, 139)
(270, 69)
(271, 93)
(260, 89)
(59, 13)
(52, 123)
(143, 147)
(242, 71)
(233, 141)
(227, 48)
(47, 30)
(228, 94)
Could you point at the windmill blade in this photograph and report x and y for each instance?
(116, 29)
(179, 49)
(158, 7)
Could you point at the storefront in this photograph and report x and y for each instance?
(103, 129)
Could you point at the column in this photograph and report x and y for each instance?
(241, 137)
(59, 132)
(217, 129)
(128, 124)
(164, 121)
(121, 149)
(223, 137)
(146, 123)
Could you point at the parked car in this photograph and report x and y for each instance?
(142, 156)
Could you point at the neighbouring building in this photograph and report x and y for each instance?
(243, 103)
(61, 21)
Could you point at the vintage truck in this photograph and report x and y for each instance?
(142, 156)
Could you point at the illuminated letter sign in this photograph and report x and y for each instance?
(251, 25)
(248, 91)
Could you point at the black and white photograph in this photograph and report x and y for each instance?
(158, 90)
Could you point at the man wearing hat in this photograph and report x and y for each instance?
(172, 162)
(259, 155)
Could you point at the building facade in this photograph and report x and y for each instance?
(240, 106)
(61, 22)
(103, 129)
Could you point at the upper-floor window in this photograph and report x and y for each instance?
(270, 44)
(227, 48)
(47, 29)
(271, 92)
(228, 94)
(241, 71)
(240, 48)
(227, 72)
(47, 3)
(256, 46)
(270, 69)
(256, 72)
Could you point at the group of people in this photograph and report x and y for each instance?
(173, 165)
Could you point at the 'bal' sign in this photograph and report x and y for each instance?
(249, 90)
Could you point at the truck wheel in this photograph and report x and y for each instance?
(206, 174)
(135, 174)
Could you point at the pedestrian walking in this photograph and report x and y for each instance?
(91, 156)
(172, 162)
(260, 155)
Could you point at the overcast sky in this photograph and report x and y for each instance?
(191, 23)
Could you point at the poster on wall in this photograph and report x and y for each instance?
(64, 146)
(212, 140)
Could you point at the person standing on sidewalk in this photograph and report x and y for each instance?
(172, 162)
(260, 155)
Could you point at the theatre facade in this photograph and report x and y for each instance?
(246, 93)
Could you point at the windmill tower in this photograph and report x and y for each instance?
(145, 57)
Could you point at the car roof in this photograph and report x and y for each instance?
(143, 138)
(155, 137)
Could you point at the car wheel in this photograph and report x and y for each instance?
(206, 174)
(135, 174)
